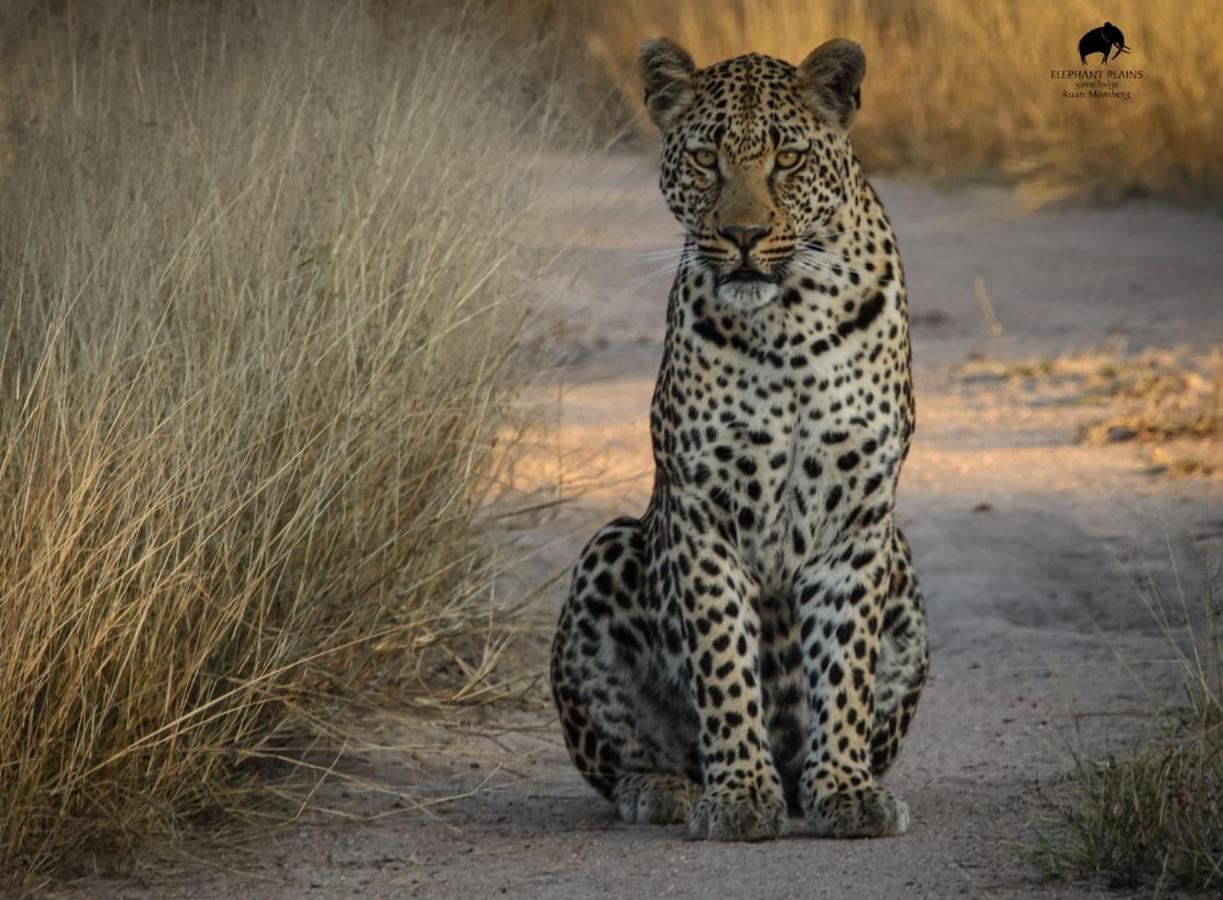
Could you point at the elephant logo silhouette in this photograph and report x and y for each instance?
(1102, 40)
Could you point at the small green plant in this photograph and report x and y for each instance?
(1152, 817)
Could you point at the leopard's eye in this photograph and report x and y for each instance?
(705, 158)
(788, 159)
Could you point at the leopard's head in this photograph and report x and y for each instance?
(756, 159)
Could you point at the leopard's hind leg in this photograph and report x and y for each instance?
(903, 660)
(633, 737)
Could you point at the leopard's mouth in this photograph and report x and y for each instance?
(747, 274)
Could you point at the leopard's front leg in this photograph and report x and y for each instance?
(742, 797)
(841, 597)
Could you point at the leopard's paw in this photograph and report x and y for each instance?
(738, 813)
(656, 799)
(865, 811)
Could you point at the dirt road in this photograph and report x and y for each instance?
(1028, 545)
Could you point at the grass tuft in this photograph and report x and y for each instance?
(1150, 818)
(261, 278)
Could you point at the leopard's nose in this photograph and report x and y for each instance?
(744, 236)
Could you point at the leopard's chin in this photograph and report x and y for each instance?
(747, 295)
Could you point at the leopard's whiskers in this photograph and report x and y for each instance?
(688, 256)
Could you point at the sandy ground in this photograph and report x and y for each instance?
(1029, 546)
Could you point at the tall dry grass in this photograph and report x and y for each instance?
(957, 88)
(258, 270)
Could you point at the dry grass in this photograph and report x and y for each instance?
(958, 88)
(259, 269)
(1168, 400)
(1158, 393)
(1150, 817)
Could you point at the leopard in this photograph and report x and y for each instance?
(747, 656)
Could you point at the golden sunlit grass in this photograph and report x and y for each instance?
(956, 88)
(1169, 399)
(257, 335)
(1149, 817)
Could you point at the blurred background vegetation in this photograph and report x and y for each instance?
(963, 90)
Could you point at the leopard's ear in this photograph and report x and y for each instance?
(667, 70)
(830, 79)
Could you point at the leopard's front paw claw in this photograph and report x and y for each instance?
(728, 814)
(867, 811)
